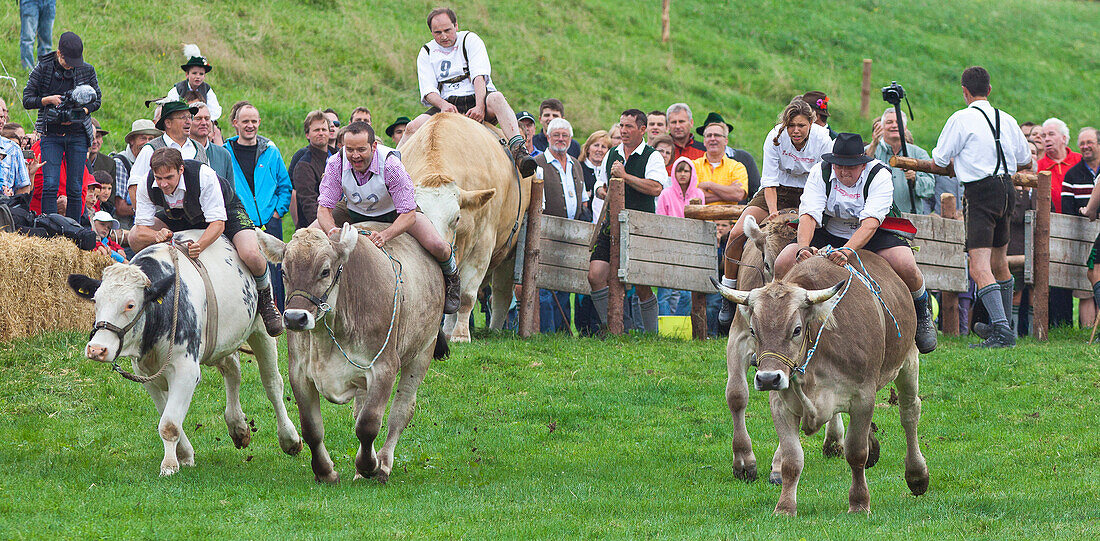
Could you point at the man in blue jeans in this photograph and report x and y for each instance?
(65, 90)
(36, 18)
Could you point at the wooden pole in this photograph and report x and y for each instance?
(865, 93)
(615, 290)
(713, 212)
(529, 294)
(1040, 292)
(699, 316)
(949, 308)
(1025, 180)
(665, 20)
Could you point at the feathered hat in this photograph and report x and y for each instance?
(194, 58)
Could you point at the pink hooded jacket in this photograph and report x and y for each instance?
(672, 200)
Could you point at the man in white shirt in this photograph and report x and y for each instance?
(454, 74)
(177, 195)
(846, 211)
(644, 176)
(175, 122)
(987, 147)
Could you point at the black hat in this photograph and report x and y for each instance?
(525, 115)
(848, 149)
(199, 61)
(713, 118)
(401, 121)
(173, 107)
(70, 47)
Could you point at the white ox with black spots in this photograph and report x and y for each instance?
(137, 298)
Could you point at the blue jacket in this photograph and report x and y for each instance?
(272, 182)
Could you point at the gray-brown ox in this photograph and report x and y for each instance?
(340, 301)
(859, 352)
(764, 242)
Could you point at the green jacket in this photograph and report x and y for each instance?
(924, 186)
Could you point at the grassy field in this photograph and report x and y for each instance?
(554, 438)
(745, 59)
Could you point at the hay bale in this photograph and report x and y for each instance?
(34, 294)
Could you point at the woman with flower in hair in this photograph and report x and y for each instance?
(819, 102)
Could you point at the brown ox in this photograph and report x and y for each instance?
(468, 186)
(859, 352)
(340, 311)
(763, 246)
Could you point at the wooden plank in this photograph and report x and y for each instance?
(670, 227)
(1029, 247)
(564, 279)
(944, 278)
(569, 256)
(949, 301)
(1070, 252)
(529, 296)
(713, 212)
(670, 276)
(566, 230)
(932, 227)
(940, 253)
(615, 289)
(1064, 226)
(672, 252)
(1069, 276)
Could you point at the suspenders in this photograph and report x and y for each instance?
(997, 139)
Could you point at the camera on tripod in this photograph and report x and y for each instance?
(893, 94)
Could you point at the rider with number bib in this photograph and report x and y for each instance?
(847, 212)
(376, 187)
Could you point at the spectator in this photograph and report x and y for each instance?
(1079, 180)
(592, 154)
(91, 201)
(175, 122)
(680, 125)
(1058, 158)
(61, 200)
(66, 90)
(527, 128)
(196, 69)
(819, 102)
(108, 234)
(681, 191)
(35, 19)
(665, 147)
(335, 119)
(746, 159)
(563, 188)
(307, 173)
(141, 131)
(1028, 128)
(260, 179)
(656, 124)
(14, 177)
(202, 129)
(791, 149)
(885, 144)
(360, 114)
(454, 75)
(5, 115)
(550, 109)
(615, 134)
(340, 138)
(105, 194)
(984, 160)
(396, 130)
(644, 177)
(97, 161)
(722, 179)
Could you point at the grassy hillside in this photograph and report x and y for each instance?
(745, 59)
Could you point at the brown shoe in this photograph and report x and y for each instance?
(450, 299)
(273, 320)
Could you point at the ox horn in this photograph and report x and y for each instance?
(817, 296)
(735, 296)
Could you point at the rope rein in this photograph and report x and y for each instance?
(325, 309)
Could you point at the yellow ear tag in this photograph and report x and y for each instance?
(160, 301)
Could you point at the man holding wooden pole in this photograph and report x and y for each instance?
(987, 147)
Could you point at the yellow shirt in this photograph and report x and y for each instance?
(728, 173)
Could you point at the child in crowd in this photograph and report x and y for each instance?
(672, 200)
(196, 69)
(107, 234)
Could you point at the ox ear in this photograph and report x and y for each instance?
(272, 248)
(753, 232)
(155, 291)
(475, 199)
(346, 242)
(84, 286)
(735, 296)
(818, 296)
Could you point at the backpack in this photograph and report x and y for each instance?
(893, 222)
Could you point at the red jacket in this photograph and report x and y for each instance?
(1058, 174)
(36, 191)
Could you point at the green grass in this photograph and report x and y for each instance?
(745, 59)
(554, 438)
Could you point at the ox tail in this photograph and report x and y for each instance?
(442, 350)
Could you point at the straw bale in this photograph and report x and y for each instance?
(34, 294)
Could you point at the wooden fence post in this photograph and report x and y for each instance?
(1040, 292)
(865, 93)
(949, 307)
(698, 316)
(529, 294)
(615, 290)
(665, 20)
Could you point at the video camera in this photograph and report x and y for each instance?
(71, 108)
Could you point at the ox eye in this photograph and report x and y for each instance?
(752, 331)
(797, 330)
(129, 306)
(325, 273)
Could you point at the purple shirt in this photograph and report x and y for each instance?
(395, 176)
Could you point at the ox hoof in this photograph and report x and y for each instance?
(241, 438)
(190, 462)
(775, 479)
(465, 339)
(745, 473)
(833, 449)
(169, 468)
(861, 508)
(785, 510)
(331, 479)
(292, 448)
(918, 482)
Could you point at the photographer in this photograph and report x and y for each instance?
(65, 88)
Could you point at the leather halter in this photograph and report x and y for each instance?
(322, 301)
(119, 331)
